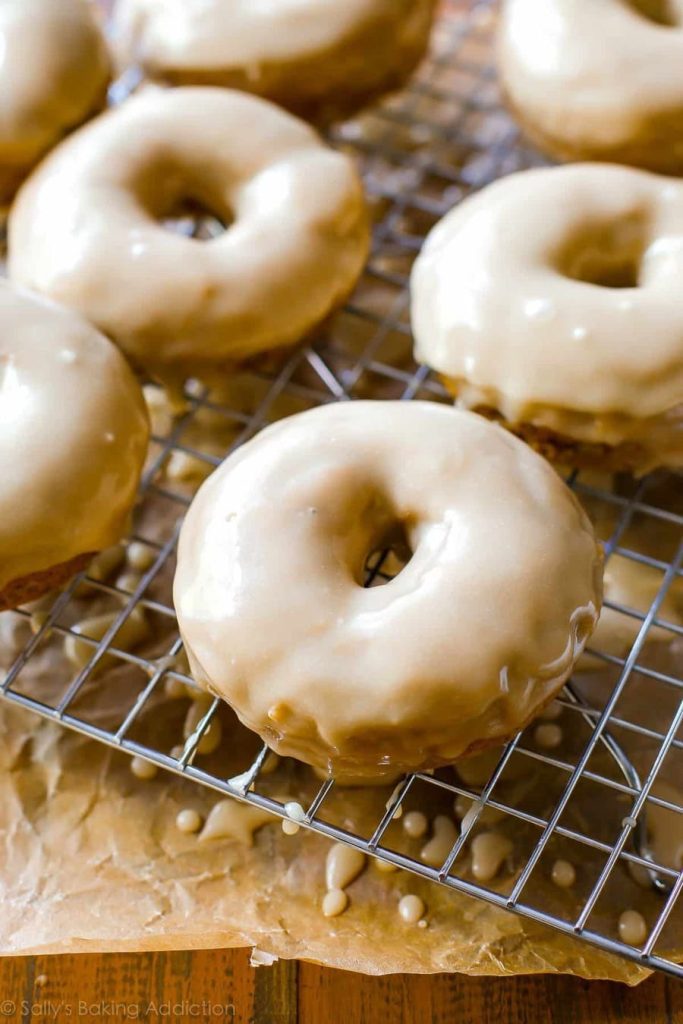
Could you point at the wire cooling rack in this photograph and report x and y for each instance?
(421, 151)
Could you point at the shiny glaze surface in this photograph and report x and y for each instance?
(470, 639)
(73, 436)
(87, 227)
(597, 79)
(508, 302)
(54, 68)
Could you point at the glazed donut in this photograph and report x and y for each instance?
(552, 300)
(86, 227)
(54, 72)
(474, 635)
(322, 60)
(73, 437)
(597, 81)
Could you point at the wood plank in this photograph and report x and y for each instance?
(327, 997)
(276, 993)
(216, 985)
(208, 985)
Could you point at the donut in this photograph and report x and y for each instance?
(321, 60)
(73, 438)
(54, 72)
(597, 81)
(86, 228)
(472, 637)
(551, 300)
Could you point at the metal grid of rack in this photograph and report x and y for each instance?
(421, 151)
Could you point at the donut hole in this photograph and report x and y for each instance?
(183, 199)
(388, 556)
(196, 219)
(607, 255)
(668, 13)
(607, 270)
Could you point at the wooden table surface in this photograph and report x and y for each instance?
(220, 985)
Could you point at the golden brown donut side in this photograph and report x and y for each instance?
(37, 584)
(636, 455)
(361, 59)
(657, 144)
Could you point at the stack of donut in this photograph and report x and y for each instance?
(549, 302)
